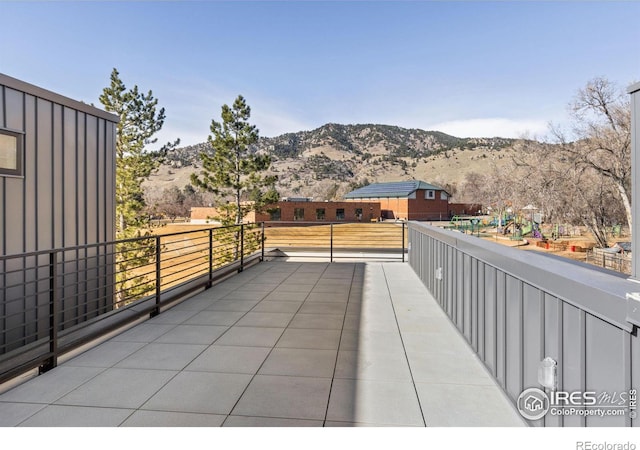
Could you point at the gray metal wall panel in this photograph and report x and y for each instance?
(13, 208)
(605, 355)
(30, 176)
(467, 277)
(449, 277)
(479, 319)
(501, 336)
(490, 320)
(635, 374)
(553, 343)
(69, 180)
(573, 356)
(514, 330)
(522, 323)
(533, 338)
(91, 186)
(82, 180)
(44, 178)
(110, 182)
(57, 188)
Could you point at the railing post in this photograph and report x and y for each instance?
(331, 243)
(210, 282)
(241, 248)
(262, 238)
(156, 310)
(52, 361)
(403, 231)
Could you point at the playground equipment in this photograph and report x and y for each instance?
(465, 224)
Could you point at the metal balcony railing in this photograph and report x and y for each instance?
(56, 300)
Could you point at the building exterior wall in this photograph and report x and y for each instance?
(414, 207)
(370, 211)
(66, 196)
(63, 197)
(459, 209)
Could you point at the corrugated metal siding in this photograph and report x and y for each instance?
(513, 324)
(65, 198)
(66, 195)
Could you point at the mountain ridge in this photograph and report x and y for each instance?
(329, 161)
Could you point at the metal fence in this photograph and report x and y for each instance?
(53, 301)
(516, 308)
(338, 240)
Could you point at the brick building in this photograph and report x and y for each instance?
(303, 210)
(407, 200)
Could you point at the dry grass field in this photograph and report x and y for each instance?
(185, 255)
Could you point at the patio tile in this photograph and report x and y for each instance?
(323, 308)
(265, 319)
(372, 366)
(254, 296)
(277, 306)
(371, 341)
(193, 334)
(285, 397)
(319, 321)
(233, 305)
(106, 354)
(286, 296)
(162, 356)
(50, 386)
(310, 338)
(77, 416)
(300, 362)
(172, 316)
(230, 359)
(466, 406)
(374, 402)
(144, 332)
(118, 388)
(251, 337)
(173, 419)
(12, 414)
(340, 295)
(448, 369)
(292, 288)
(227, 318)
(248, 421)
(199, 392)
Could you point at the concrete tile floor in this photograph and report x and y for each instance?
(281, 344)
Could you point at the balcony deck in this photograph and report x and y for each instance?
(280, 344)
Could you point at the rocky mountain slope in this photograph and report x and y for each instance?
(330, 161)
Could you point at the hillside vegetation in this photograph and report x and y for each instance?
(330, 161)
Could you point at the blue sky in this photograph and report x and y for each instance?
(465, 68)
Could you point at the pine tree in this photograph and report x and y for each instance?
(235, 173)
(140, 120)
(233, 170)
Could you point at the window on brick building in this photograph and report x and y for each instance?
(359, 213)
(430, 194)
(298, 214)
(275, 214)
(340, 214)
(320, 214)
